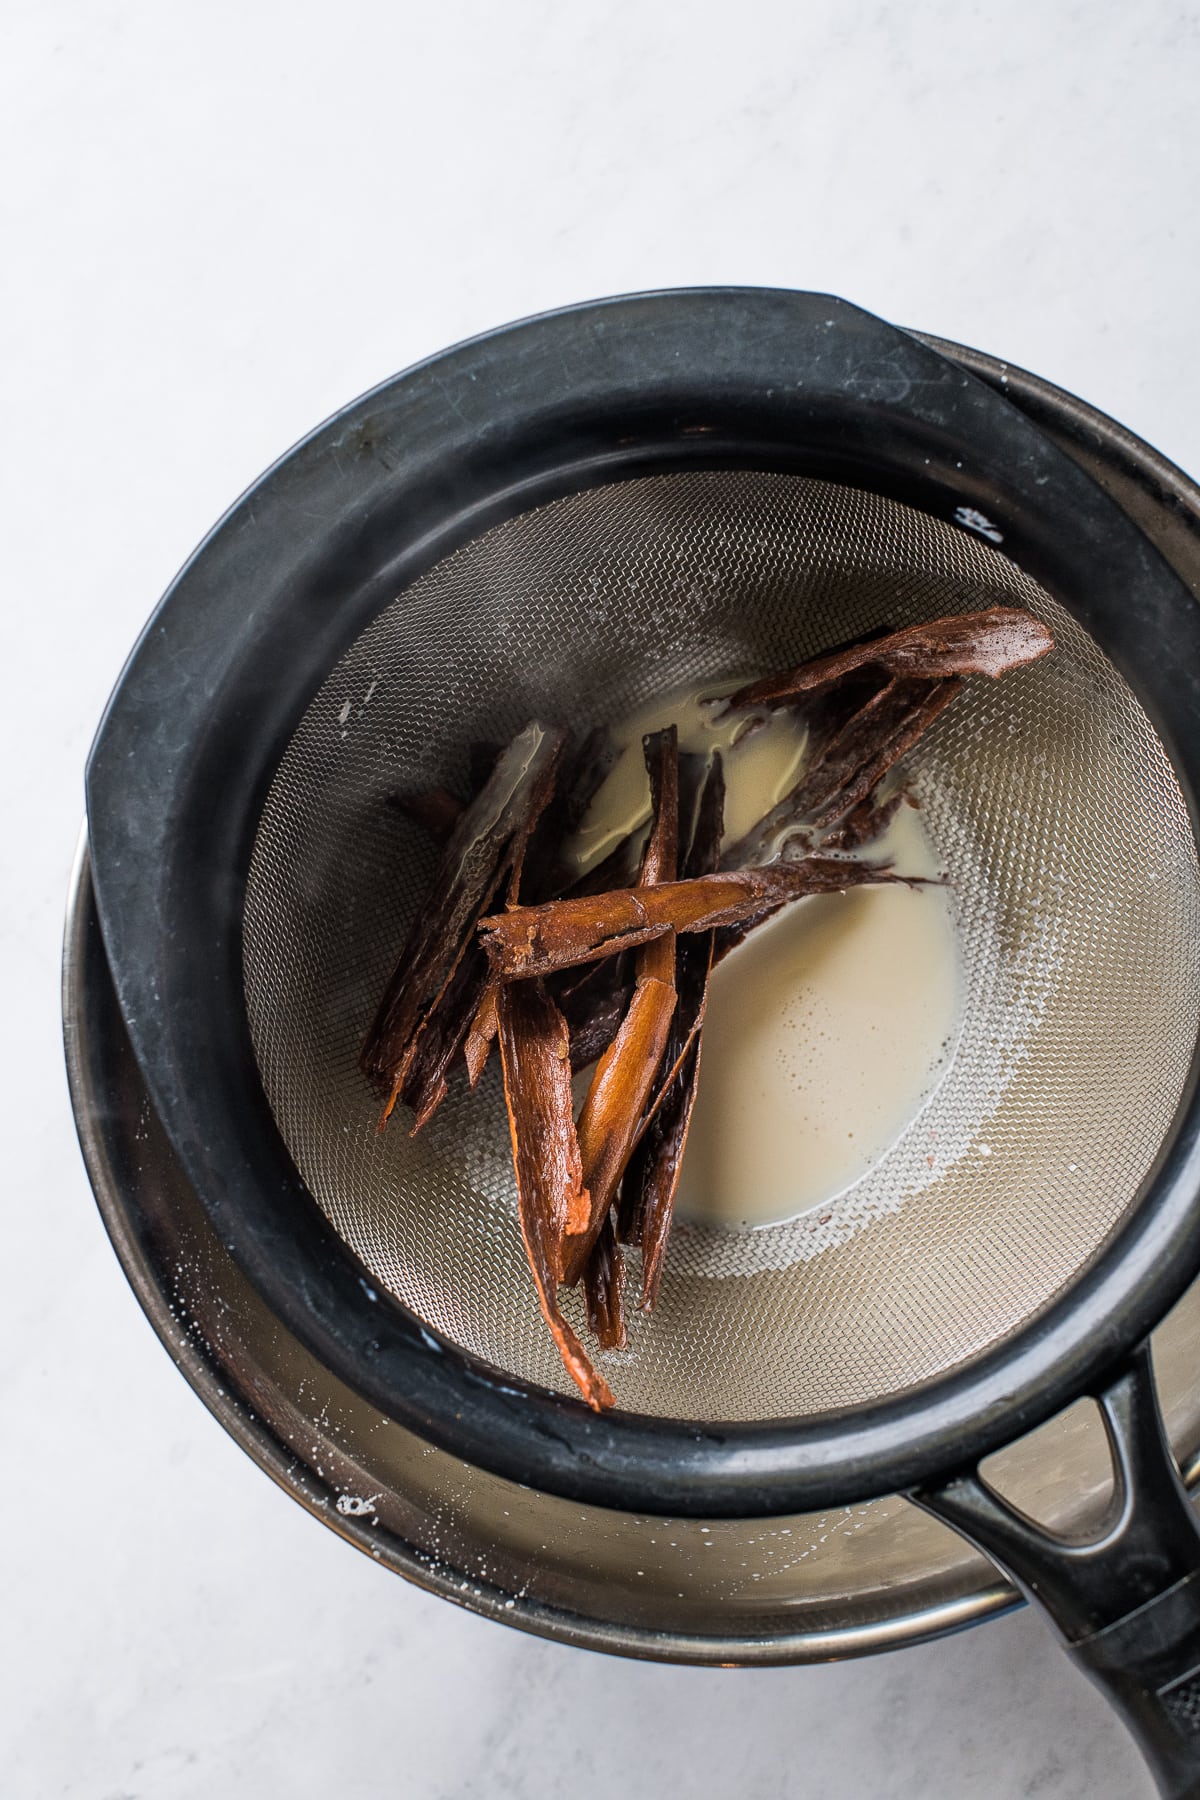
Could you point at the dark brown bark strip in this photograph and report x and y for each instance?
(581, 775)
(652, 1174)
(465, 1016)
(535, 1060)
(612, 1112)
(656, 1165)
(603, 1288)
(426, 1084)
(979, 643)
(913, 725)
(873, 736)
(486, 842)
(624, 1077)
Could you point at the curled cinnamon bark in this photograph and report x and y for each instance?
(603, 1289)
(865, 744)
(612, 1112)
(487, 841)
(917, 713)
(536, 940)
(426, 1083)
(616, 1099)
(979, 643)
(594, 1004)
(535, 1060)
(581, 772)
(652, 1174)
(464, 1017)
(654, 1168)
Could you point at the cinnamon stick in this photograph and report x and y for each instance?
(603, 1289)
(536, 940)
(978, 643)
(652, 1174)
(535, 1060)
(624, 1077)
(486, 842)
(846, 767)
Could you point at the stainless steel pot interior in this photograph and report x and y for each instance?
(1054, 809)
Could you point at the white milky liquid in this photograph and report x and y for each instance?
(760, 768)
(826, 1032)
(828, 1029)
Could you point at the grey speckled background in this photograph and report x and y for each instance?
(220, 222)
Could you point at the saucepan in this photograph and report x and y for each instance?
(557, 519)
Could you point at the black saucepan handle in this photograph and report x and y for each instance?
(1127, 1602)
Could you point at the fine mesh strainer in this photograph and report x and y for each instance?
(1050, 801)
(558, 521)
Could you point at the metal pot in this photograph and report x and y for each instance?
(584, 1553)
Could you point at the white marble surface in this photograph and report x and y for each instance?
(221, 221)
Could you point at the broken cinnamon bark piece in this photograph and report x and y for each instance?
(652, 1174)
(426, 1084)
(868, 821)
(914, 723)
(867, 732)
(465, 1015)
(603, 1289)
(612, 1112)
(653, 1171)
(537, 940)
(693, 951)
(535, 1060)
(593, 999)
(579, 775)
(660, 859)
(485, 844)
(978, 643)
(616, 1099)
(847, 766)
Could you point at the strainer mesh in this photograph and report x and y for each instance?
(1048, 797)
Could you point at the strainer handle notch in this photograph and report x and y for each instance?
(1126, 1602)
